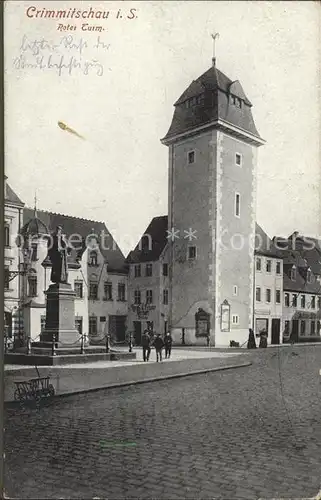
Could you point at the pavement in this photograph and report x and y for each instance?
(243, 434)
(82, 377)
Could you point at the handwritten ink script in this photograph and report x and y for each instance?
(67, 56)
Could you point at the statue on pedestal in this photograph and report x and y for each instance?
(58, 251)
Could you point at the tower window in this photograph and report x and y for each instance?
(237, 208)
(78, 289)
(235, 290)
(32, 282)
(258, 264)
(191, 157)
(235, 319)
(238, 159)
(258, 294)
(191, 253)
(93, 258)
(34, 250)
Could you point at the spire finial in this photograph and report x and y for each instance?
(35, 206)
(214, 36)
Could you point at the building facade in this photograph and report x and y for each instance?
(212, 145)
(268, 288)
(96, 271)
(148, 296)
(13, 214)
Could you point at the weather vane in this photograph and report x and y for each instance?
(214, 36)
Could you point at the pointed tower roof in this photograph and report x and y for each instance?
(213, 100)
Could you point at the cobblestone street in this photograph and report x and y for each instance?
(247, 433)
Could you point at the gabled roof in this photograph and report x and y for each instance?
(83, 228)
(157, 231)
(216, 105)
(11, 197)
(264, 245)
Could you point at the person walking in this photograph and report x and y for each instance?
(263, 339)
(146, 345)
(159, 344)
(251, 344)
(168, 345)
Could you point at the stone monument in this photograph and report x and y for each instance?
(60, 304)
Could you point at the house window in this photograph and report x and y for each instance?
(302, 327)
(319, 302)
(318, 327)
(191, 157)
(312, 328)
(237, 208)
(93, 258)
(121, 292)
(191, 253)
(32, 284)
(268, 266)
(278, 267)
(258, 294)
(268, 294)
(149, 296)
(137, 297)
(287, 299)
(286, 327)
(238, 159)
(34, 251)
(165, 269)
(258, 264)
(294, 300)
(278, 296)
(235, 290)
(6, 277)
(78, 289)
(293, 273)
(137, 271)
(42, 323)
(78, 325)
(309, 276)
(7, 235)
(235, 319)
(165, 297)
(108, 291)
(313, 302)
(149, 270)
(92, 325)
(302, 301)
(93, 291)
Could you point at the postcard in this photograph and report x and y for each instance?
(162, 250)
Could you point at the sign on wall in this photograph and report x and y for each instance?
(202, 323)
(225, 316)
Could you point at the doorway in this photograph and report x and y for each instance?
(275, 334)
(137, 332)
(294, 337)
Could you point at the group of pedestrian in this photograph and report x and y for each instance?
(251, 344)
(149, 340)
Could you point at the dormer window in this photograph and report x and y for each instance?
(309, 276)
(293, 273)
(193, 101)
(93, 258)
(236, 101)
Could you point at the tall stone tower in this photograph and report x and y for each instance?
(212, 145)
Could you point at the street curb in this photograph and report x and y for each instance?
(11, 404)
(156, 379)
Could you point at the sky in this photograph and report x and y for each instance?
(119, 97)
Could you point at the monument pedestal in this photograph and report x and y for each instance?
(60, 316)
